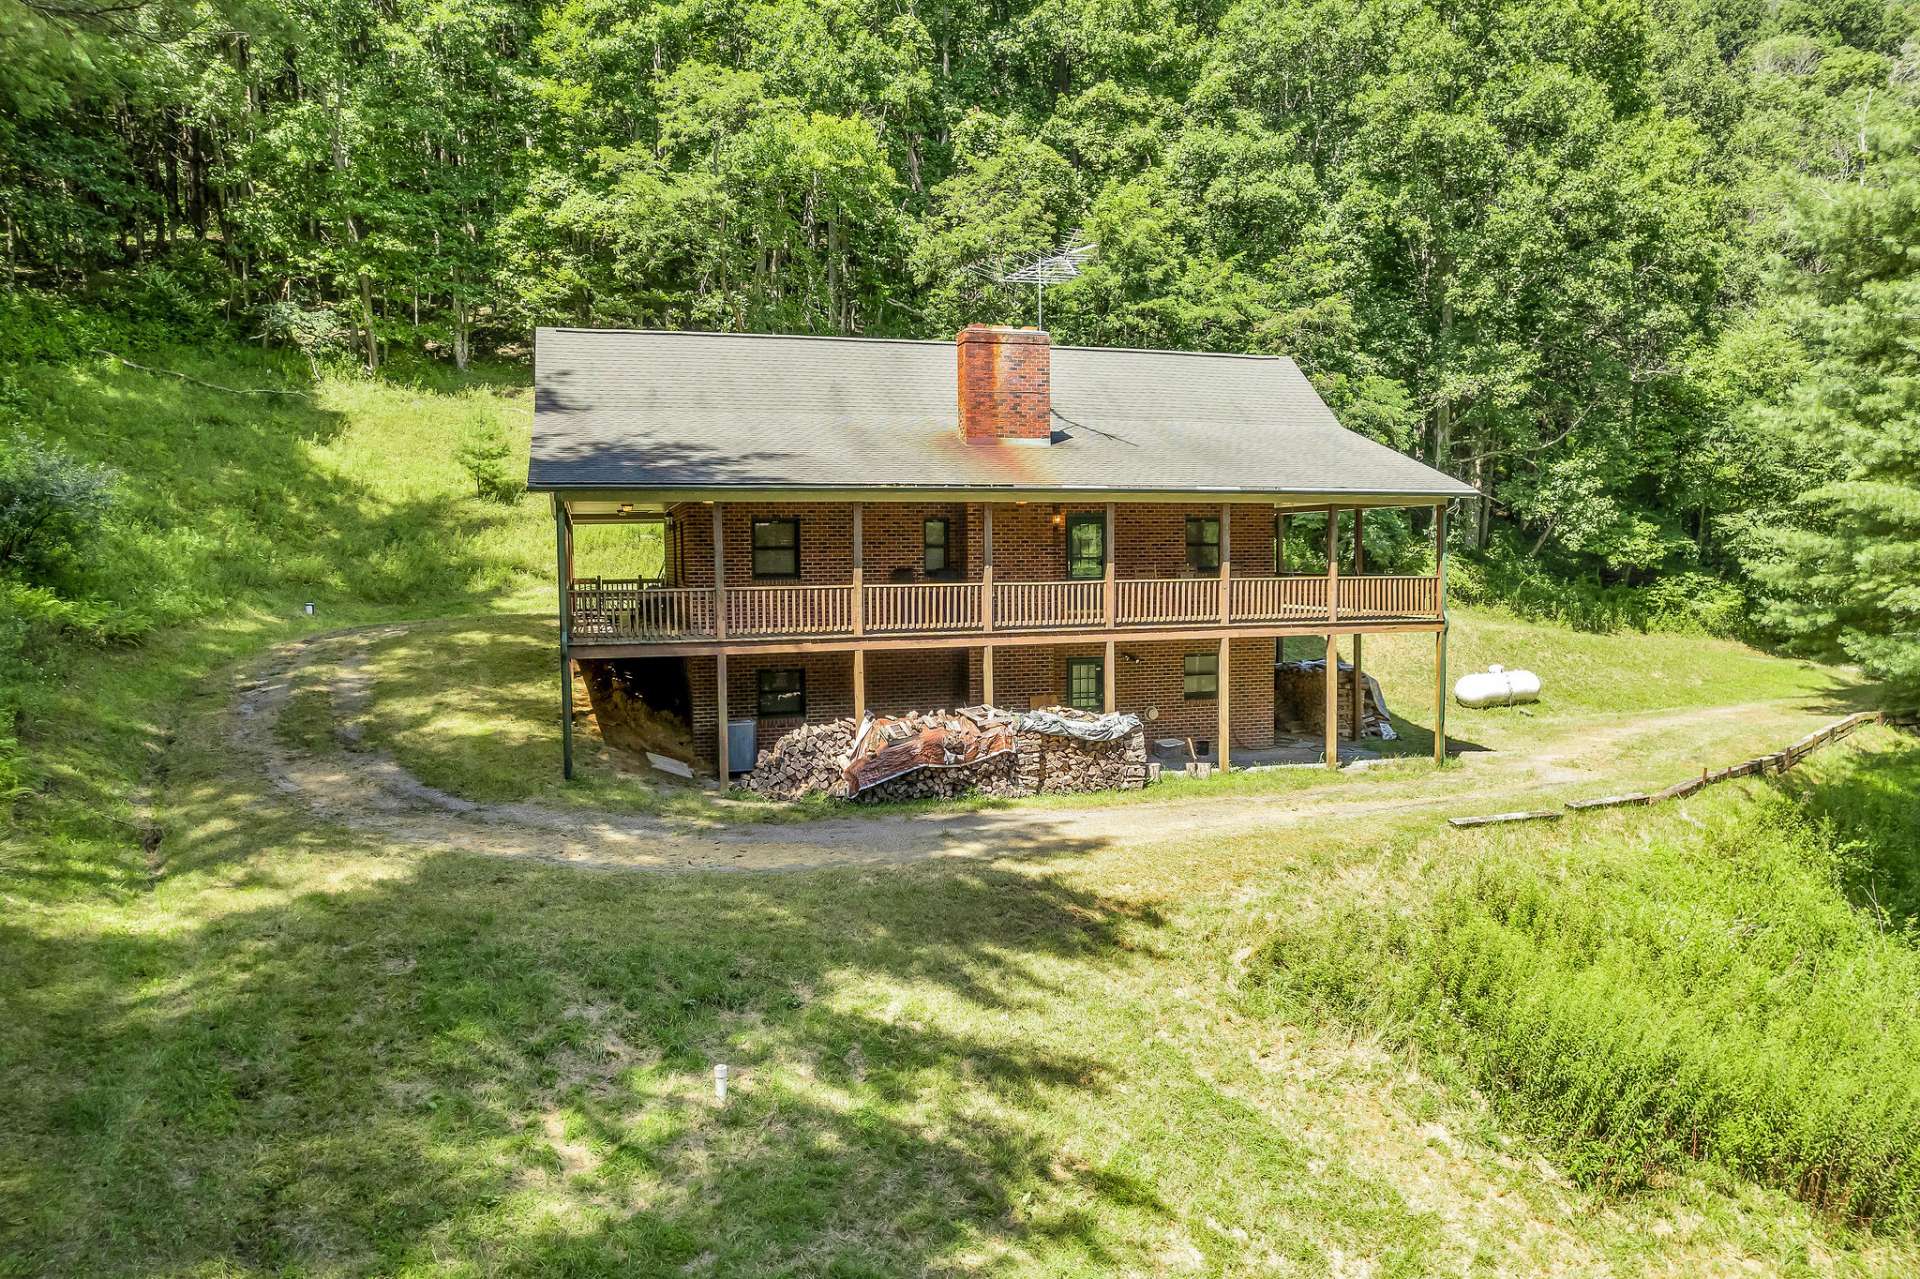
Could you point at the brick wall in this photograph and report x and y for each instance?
(1028, 675)
(1147, 676)
(929, 679)
(1028, 545)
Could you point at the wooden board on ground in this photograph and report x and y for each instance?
(1495, 819)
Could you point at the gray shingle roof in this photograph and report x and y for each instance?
(622, 410)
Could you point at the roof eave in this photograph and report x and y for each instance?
(1291, 497)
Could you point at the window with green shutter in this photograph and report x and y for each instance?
(776, 548)
(1202, 676)
(1086, 683)
(933, 546)
(1203, 543)
(783, 691)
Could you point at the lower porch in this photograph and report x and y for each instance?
(1214, 696)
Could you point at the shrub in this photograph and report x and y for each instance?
(1653, 998)
(51, 506)
(315, 331)
(489, 459)
(1542, 589)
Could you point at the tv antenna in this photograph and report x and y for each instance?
(1056, 268)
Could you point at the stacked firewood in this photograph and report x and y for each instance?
(808, 761)
(1050, 764)
(815, 759)
(1300, 701)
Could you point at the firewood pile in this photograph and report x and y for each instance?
(1050, 763)
(808, 761)
(972, 750)
(1300, 701)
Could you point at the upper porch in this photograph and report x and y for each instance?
(856, 574)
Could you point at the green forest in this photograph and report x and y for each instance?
(1643, 271)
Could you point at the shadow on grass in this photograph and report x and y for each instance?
(230, 515)
(1874, 803)
(1415, 740)
(513, 1065)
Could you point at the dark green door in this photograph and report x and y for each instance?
(1087, 545)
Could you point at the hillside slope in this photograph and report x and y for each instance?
(244, 1038)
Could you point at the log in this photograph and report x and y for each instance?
(1496, 819)
(1610, 801)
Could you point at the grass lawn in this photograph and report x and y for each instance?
(236, 1039)
(470, 706)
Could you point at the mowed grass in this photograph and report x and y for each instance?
(1647, 994)
(295, 1049)
(471, 706)
(236, 1040)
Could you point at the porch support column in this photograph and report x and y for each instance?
(563, 560)
(986, 581)
(1225, 731)
(1333, 565)
(720, 718)
(719, 575)
(1359, 680)
(1333, 700)
(1226, 563)
(859, 685)
(1280, 544)
(1111, 556)
(1440, 636)
(986, 674)
(1106, 679)
(859, 584)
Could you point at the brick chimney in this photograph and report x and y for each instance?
(1006, 385)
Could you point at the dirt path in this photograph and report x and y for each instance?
(366, 790)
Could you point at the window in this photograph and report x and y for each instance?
(1087, 545)
(1202, 675)
(776, 548)
(783, 691)
(1086, 681)
(933, 544)
(1203, 543)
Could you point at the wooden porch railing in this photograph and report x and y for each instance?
(1280, 599)
(632, 611)
(1048, 606)
(922, 606)
(1365, 597)
(789, 610)
(1148, 601)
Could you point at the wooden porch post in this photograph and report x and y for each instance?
(986, 674)
(1111, 556)
(720, 717)
(859, 684)
(719, 576)
(563, 556)
(1226, 563)
(1280, 545)
(986, 581)
(1333, 564)
(1440, 636)
(1333, 700)
(1225, 735)
(1359, 680)
(1106, 680)
(859, 583)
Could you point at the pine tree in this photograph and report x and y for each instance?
(1845, 575)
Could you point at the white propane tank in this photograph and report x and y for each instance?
(1497, 686)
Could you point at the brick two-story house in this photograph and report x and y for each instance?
(866, 523)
